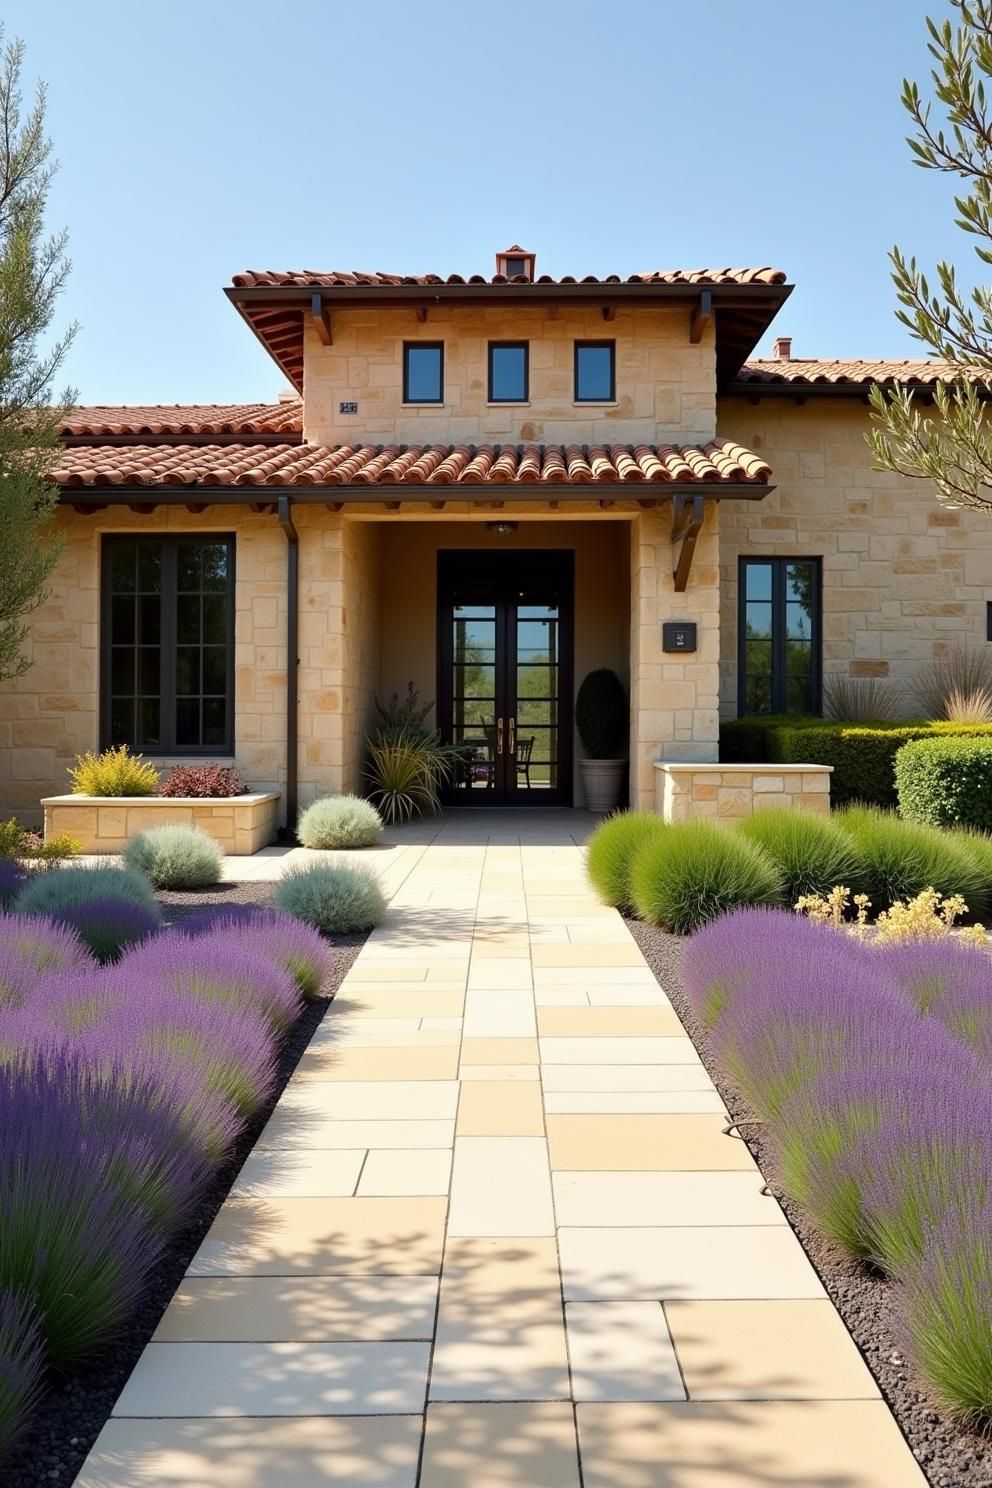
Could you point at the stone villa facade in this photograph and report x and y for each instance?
(488, 487)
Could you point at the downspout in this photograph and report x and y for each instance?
(285, 515)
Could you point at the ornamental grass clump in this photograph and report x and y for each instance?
(904, 858)
(335, 900)
(611, 850)
(115, 772)
(946, 1307)
(196, 967)
(22, 1364)
(109, 926)
(811, 851)
(694, 871)
(176, 857)
(62, 888)
(43, 943)
(339, 822)
(280, 938)
(71, 1237)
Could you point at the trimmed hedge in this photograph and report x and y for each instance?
(862, 755)
(946, 782)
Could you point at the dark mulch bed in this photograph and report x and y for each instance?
(74, 1408)
(949, 1456)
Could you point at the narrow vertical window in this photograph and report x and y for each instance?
(595, 371)
(423, 372)
(508, 372)
(779, 636)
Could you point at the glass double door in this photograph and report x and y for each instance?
(505, 676)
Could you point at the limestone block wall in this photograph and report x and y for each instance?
(722, 792)
(673, 699)
(665, 387)
(51, 714)
(241, 824)
(903, 578)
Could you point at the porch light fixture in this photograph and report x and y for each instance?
(501, 529)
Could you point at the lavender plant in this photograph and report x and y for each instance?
(109, 926)
(43, 943)
(195, 967)
(22, 1364)
(280, 938)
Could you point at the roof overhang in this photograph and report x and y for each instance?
(276, 313)
(95, 498)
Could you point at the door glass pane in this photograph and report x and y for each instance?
(536, 674)
(473, 696)
(759, 581)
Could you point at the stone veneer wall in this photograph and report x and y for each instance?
(673, 699)
(666, 388)
(720, 792)
(903, 577)
(105, 824)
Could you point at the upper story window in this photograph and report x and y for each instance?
(167, 644)
(508, 371)
(779, 636)
(595, 371)
(423, 372)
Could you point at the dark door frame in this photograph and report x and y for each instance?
(503, 572)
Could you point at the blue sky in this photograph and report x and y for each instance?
(200, 139)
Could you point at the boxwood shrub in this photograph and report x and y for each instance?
(946, 782)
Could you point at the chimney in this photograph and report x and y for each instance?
(515, 263)
(782, 350)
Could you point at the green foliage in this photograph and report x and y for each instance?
(404, 717)
(693, 871)
(903, 858)
(33, 271)
(16, 842)
(745, 741)
(812, 852)
(176, 857)
(339, 822)
(115, 772)
(946, 782)
(406, 773)
(978, 845)
(601, 714)
(611, 850)
(64, 888)
(335, 900)
(859, 699)
(954, 683)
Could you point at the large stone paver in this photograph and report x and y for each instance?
(498, 1192)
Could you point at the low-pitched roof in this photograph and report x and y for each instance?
(721, 462)
(852, 373)
(354, 278)
(168, 420)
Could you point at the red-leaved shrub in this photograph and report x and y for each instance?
(203, 780)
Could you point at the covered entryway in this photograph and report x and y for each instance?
(505, 674)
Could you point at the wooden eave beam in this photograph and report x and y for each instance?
(701, 317)
(321, 318)
(687, 520)
(609, 312)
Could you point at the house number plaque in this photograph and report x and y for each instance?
(678, 635)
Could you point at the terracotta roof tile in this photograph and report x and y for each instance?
(812, 371)
(721, 462)
(340, 278)
(185, 418)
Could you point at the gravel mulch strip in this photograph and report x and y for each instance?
(74, 1408)
(949, 1456)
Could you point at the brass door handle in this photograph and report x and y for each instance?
(513, 736)
(499, 736)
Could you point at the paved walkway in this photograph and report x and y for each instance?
(493, 1235)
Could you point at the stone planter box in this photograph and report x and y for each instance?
(105, 824)
(719, 791)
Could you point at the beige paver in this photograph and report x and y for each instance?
(643, 1143)
(666, 1198)
(270, 1309)
(400, 1171)
(684, 1261)
(345, 1062)
(689, 1074)
(673, 1050)
(599, 1022)
(748, 1351)
(501, 1186)
(500, 1446)
(323, 1237)
(499, 1051)
(618, 1102)
(305, 1129)
(850, 1444)
(621, 1351)
(500, 1108)
(308, 1452)
(623, 953)
(291, 1172)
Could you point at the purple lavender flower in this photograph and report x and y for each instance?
(951, 982)
(43, 942)
(22, 1364)
(110, 926)
(280, 938)
(194, 967)
(17, 977)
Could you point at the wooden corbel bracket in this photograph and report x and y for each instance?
(687, 520)
(321, 318)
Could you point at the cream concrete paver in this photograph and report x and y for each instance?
(644, 1143)
(276, 1379)
(621, 1351)
(307, 1452)
(278, 1309)
(500, 1446)
(747, 1351)
(365, 1237)
(668, 1263)
(802, 1444)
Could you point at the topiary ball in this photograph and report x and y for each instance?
(611, 850)
(339, 822)
(176, 857)
(694, 871)
(332, 899)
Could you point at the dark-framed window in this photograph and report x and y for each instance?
(595, 371)
(423, 372)
(167, 643)
(509, 371)
(779, 647)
